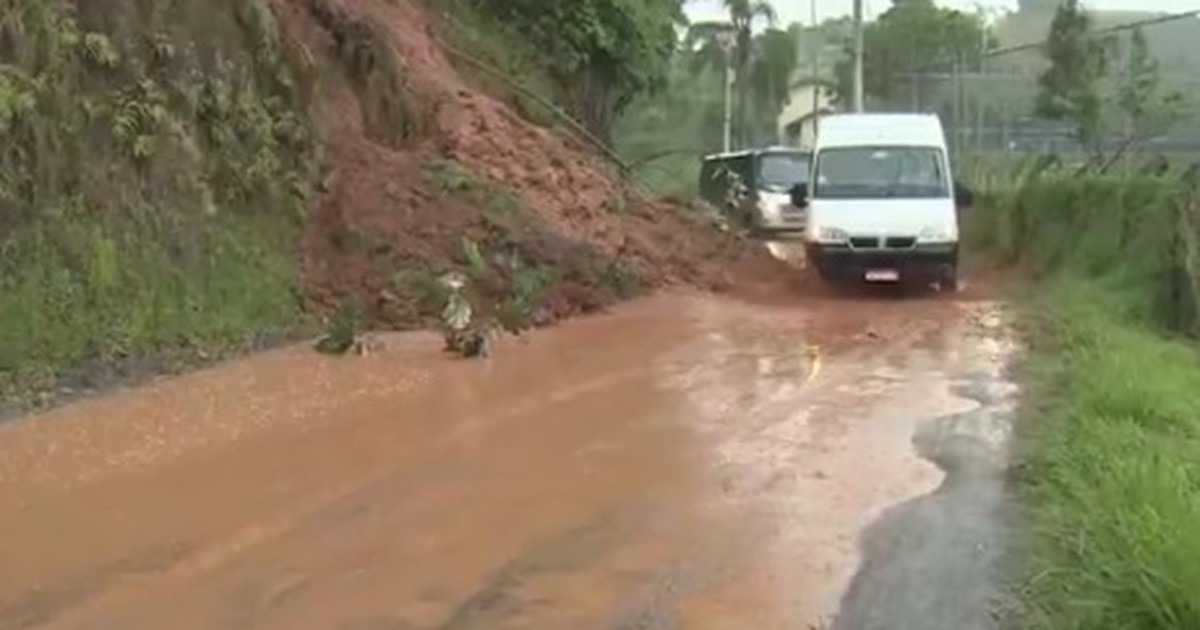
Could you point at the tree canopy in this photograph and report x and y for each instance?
(602, 53)
(763, 64)
(1148, 108)
(912, 36)
(1069, 88)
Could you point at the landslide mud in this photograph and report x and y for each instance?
(685, 462)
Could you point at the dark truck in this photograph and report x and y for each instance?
(753, 187)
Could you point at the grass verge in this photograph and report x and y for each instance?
(154, 174)
(1110, 472)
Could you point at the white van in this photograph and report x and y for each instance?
(882, 204)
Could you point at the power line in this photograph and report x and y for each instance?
(1129, 26)
(999, 52)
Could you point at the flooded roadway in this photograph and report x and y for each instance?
(685, 462)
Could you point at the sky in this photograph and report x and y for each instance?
(799, 10)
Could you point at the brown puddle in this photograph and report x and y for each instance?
(686, 462)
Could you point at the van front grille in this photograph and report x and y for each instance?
(864, 242)
(901, 242)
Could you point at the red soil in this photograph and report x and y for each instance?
(383, 219)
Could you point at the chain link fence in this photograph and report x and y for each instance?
(988, 108)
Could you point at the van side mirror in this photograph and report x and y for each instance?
(963, 197)
(799, 195)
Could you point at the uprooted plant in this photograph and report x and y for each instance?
(468, 333)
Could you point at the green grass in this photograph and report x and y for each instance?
(1111, 476)
(676, 176)
(1110, 435)
(82, 288)
(153, 178)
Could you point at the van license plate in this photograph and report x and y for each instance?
(883, 275)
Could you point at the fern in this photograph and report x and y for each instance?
(99, 52)
(18, 96)
(140, 116)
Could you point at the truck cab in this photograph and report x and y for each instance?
(881, 203)
(752, 187)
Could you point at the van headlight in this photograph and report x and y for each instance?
(938, 234)
(832, 235)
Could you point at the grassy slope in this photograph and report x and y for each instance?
(1112, 471)
(153, 171)
(1111, 439)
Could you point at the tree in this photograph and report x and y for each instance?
(1068, 89)
(910, 37)
(601, 53)
(769, 79)
(704, 39)
(744, 14)
(1146, 108)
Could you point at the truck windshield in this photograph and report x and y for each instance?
(881, 173)
(779, 172)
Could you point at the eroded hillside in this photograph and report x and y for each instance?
(184, 180)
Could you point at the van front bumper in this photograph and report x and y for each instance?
(931, 262)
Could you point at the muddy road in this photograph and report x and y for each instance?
(685, 462)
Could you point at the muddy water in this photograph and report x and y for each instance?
(684, 463)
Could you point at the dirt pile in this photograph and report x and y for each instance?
(423, 173)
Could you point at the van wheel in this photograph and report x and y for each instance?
(949, 280)
(825, 274)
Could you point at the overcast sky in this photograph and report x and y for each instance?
(799, 10)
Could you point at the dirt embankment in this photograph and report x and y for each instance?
(420, 168)
(225, 123)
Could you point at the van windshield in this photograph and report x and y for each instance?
(880, 173)
(779, 172)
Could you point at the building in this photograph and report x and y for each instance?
(809, 101)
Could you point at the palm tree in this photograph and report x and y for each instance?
(704, 41)
(773, 66)
(743, 15)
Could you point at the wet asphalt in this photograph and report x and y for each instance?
(937, 562)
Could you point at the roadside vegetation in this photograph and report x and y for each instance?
(153, 174)
(1109, 468)
(1108, 471)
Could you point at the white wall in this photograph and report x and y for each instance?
(800, 108)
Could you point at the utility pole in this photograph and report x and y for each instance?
(727, 40)
(815, 61)
(956, 87)
(729, 106)
(815, 67)
(858, 56)
(983, 83)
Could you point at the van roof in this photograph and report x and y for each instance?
(841, 130)
(745, 152)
